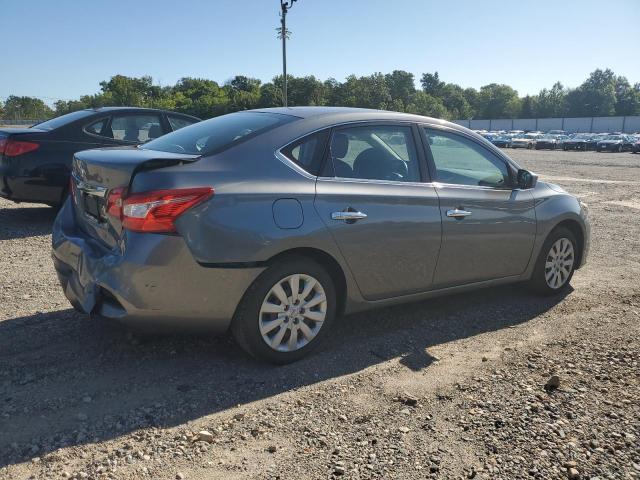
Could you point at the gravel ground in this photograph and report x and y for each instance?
(493, 384)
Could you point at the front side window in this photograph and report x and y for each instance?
(376, 152)
(219, 133)
(135, 128)
(459, 160)
(180, 122)
(308, 152)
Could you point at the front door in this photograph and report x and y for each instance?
(488, 225)
(384, 218)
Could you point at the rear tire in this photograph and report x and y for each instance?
(556, 263)
(271, 311)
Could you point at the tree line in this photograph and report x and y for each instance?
(603, 93)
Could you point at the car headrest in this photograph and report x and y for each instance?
(155, 131)
(339, 145)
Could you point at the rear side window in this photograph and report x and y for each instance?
(135, 128)
(219, 133)
(308, 152)
(96, 127)
(180, 122)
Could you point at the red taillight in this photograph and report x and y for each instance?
(157, 211)
(114, 202)
(13, 148)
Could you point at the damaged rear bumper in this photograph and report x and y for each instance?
(149, 280)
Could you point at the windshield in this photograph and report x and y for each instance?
(63, 119)
(219, 133)
(613, 137)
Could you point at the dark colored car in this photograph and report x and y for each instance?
(274, 222)
(629, 143)
(612, 143)
(579, 141)
(636, 146)
(592, 142)
(501, 141)
(35, 162)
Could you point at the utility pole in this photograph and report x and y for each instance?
(283, 33)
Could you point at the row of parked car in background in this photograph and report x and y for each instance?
(559, 139)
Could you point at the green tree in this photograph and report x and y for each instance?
(303, 90)
(401, 86)
(551, 103)
(366, 92)
(627, 97)
(473, 99)
(455, 101)
(243, 93)
(26, 108)
(498, 101)
(432, 84)
(595, 97)
(427, 105)
(528, 108)
(200, 97)
(129, 91)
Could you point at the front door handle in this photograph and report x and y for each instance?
(348, 216)
(458, 213)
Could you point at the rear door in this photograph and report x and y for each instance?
(384, 217)
(488, 225)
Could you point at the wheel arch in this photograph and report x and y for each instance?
(574, 227)
(325, 260)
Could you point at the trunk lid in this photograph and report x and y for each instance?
(97, 174)
(18, 130)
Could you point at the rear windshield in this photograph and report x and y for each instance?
(219, 133)
(63, 119)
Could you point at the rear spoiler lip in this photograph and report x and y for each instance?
(144, 166)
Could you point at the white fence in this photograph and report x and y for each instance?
(577, 124)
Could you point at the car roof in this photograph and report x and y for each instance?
(141, 109)
(350, 114)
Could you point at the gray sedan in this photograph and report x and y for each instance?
(275, 222)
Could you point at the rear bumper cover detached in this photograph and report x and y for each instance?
(150, 280)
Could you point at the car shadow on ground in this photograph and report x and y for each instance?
(66, 379)
(24, 222)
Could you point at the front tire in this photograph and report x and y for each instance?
(287, 311)
(556, 263)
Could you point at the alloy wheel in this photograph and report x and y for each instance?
(292, 312)
(559, 263)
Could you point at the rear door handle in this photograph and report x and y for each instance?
(458, 213)
(348, 216)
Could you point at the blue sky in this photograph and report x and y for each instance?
(64, 48)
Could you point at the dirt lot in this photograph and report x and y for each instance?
(448, 388)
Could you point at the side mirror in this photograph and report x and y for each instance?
(526, 179)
